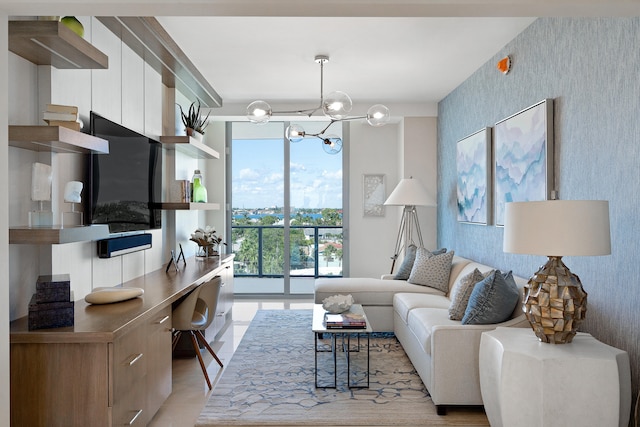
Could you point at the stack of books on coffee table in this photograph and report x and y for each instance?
(351, 319)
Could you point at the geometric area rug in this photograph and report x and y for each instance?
(269, 381)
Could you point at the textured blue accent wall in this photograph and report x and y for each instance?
(591, 68)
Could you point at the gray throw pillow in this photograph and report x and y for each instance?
(432, 270)
(492, 300)
(407, 263)
(409, 258)
(461, 292)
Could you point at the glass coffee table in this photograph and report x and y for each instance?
(345, 336)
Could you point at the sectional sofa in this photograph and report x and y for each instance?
(443, 351)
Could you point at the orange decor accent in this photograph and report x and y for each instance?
(504, 65)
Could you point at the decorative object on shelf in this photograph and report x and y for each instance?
(72, 192)
(504, 65)
(408, 193)
(41, 178)
(193, 122)
(73, 24)
(336, 304)
(373, 194)
(523, 148)
(554, 301)
(198, 191)
(336, 106)
(108, 295)
(208, 241)
(63, 115)
(51, 306)
(473, 159)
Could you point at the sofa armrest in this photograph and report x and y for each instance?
(455, 351)
(387, 276)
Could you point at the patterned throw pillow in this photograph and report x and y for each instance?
(432, 270)
(461, 292)
(407, 263)
(492, 300)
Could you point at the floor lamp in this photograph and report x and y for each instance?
(408, 193)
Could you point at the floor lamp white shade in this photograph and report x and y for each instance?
(408, 193)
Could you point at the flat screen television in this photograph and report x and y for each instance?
(126, 183)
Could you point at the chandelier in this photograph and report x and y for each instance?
(336, 106)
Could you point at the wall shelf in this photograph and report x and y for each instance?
(189, 146)
(52, 43)
(179, 206)
(56, 139)
(146, 37)
(56, 234)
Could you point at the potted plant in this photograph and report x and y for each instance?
(208, 241)
(193, 122)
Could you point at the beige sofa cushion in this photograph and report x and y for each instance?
(421, 322)
(403, 303)
(367, 291)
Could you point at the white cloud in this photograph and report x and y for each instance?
(249, 174)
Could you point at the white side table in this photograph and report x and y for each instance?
(525, 382)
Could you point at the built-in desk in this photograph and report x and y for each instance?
(113, 367)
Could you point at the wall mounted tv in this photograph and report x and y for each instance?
(124, 184)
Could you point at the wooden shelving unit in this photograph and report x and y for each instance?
(178, 206)
(57, 234)
(189, 146)
(56, 139)
(52, 43)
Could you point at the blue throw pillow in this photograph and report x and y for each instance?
(407, 263)
(492, 300)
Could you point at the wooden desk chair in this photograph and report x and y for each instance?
(194, 314)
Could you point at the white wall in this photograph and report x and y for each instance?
(4, 228)
(396, 150)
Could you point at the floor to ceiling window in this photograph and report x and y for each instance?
(286, 209)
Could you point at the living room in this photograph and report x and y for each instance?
(554, 58)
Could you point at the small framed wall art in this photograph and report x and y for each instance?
(523, 151)
(373, 194)
(473, 162)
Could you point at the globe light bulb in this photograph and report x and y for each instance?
(331, 144)
(337, 105)
(378, 115)
(259, 112)
(295, 133)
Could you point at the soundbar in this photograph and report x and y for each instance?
(116, 246)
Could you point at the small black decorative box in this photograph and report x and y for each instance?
(50, 314)
(53, 288)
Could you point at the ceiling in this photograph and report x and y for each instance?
(408, 54)
(410, 62)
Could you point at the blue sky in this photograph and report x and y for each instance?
(258, 174)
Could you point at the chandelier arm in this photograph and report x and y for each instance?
(317, 135)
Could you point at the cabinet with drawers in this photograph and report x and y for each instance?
(113, 366)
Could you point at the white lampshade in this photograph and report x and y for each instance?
(410, 192)
(557, 228)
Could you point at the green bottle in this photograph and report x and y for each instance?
(199, 191)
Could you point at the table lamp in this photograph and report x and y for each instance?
(408, 193)
(554, 301)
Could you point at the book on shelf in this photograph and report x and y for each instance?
(350, 319)
(68, 117)
(77, 126)
(64, 109)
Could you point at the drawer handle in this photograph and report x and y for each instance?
(135, 359)
(220, 314)
(164, 319)
(133, 420)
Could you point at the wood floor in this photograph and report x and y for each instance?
(190, 391)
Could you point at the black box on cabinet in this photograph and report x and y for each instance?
(116, 246)
(53, 288)
(50, 314)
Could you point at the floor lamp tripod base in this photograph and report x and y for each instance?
(408, 224)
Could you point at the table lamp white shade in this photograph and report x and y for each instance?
(410, 192)
(557, 228)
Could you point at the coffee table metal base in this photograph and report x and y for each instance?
(345, 336)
